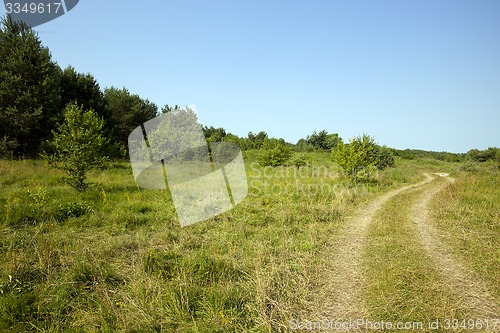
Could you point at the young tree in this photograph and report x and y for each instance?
(318, 140)
(361, 156)
(29, 88)
(77, 145)
(276, 152)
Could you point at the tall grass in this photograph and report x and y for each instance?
(114, 258)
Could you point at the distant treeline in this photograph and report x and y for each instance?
(490, 154)
(34, 91)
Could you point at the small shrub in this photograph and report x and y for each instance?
(38, 203)
(276, 153)
(71, 209)
(300, 160)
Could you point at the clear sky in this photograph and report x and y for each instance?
(413, 74)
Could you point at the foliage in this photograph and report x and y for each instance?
(84, 90)
(385, 157)
(256, 141)
(77, 145)
(7, 147)
(490, 154)
(275, 153)
(177, 137)
(361, 156)
(29, 88)
(127, 112)
(300, 160)
(213, 134)
(303, 145)
(323, 141)
(411, 154)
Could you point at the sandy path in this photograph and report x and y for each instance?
(471, 293)
(341, 297)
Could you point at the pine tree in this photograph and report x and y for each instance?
(29, 88)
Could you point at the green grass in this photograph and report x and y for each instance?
(468, 215)
(114, 258)
(403, 284)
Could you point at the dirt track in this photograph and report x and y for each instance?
(472, 293)
(341, 291)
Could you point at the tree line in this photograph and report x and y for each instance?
(34, 91)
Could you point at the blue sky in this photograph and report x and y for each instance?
(413, 74)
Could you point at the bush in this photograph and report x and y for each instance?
(77, 146)
(300, 160)
(385, 158)
(276, 153)
(71, 209)
(361, 157)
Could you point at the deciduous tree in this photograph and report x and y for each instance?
(77, 145)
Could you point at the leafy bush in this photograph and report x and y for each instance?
(300, 160)
(77, 145)
(385, 158)
(71, 209)
(276, 153)
(361, 157)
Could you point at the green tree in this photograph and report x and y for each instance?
(361, 157)
(257, 140)
(213, 134)
(332, 140)
(318, 140)
(490, 154)
(323, 140)
(231, 138)
(127, 112)
(178, 137)
(84, 90)
(29, 88)
(303, 145)
(77, 145)
(276, 152)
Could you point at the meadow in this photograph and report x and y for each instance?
(114, 258)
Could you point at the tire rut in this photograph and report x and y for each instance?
(342, 289)
(472, 295)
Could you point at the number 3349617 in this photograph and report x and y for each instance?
(32, 8)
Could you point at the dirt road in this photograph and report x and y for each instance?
(339, 297)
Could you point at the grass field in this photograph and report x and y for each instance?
(114, 258)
